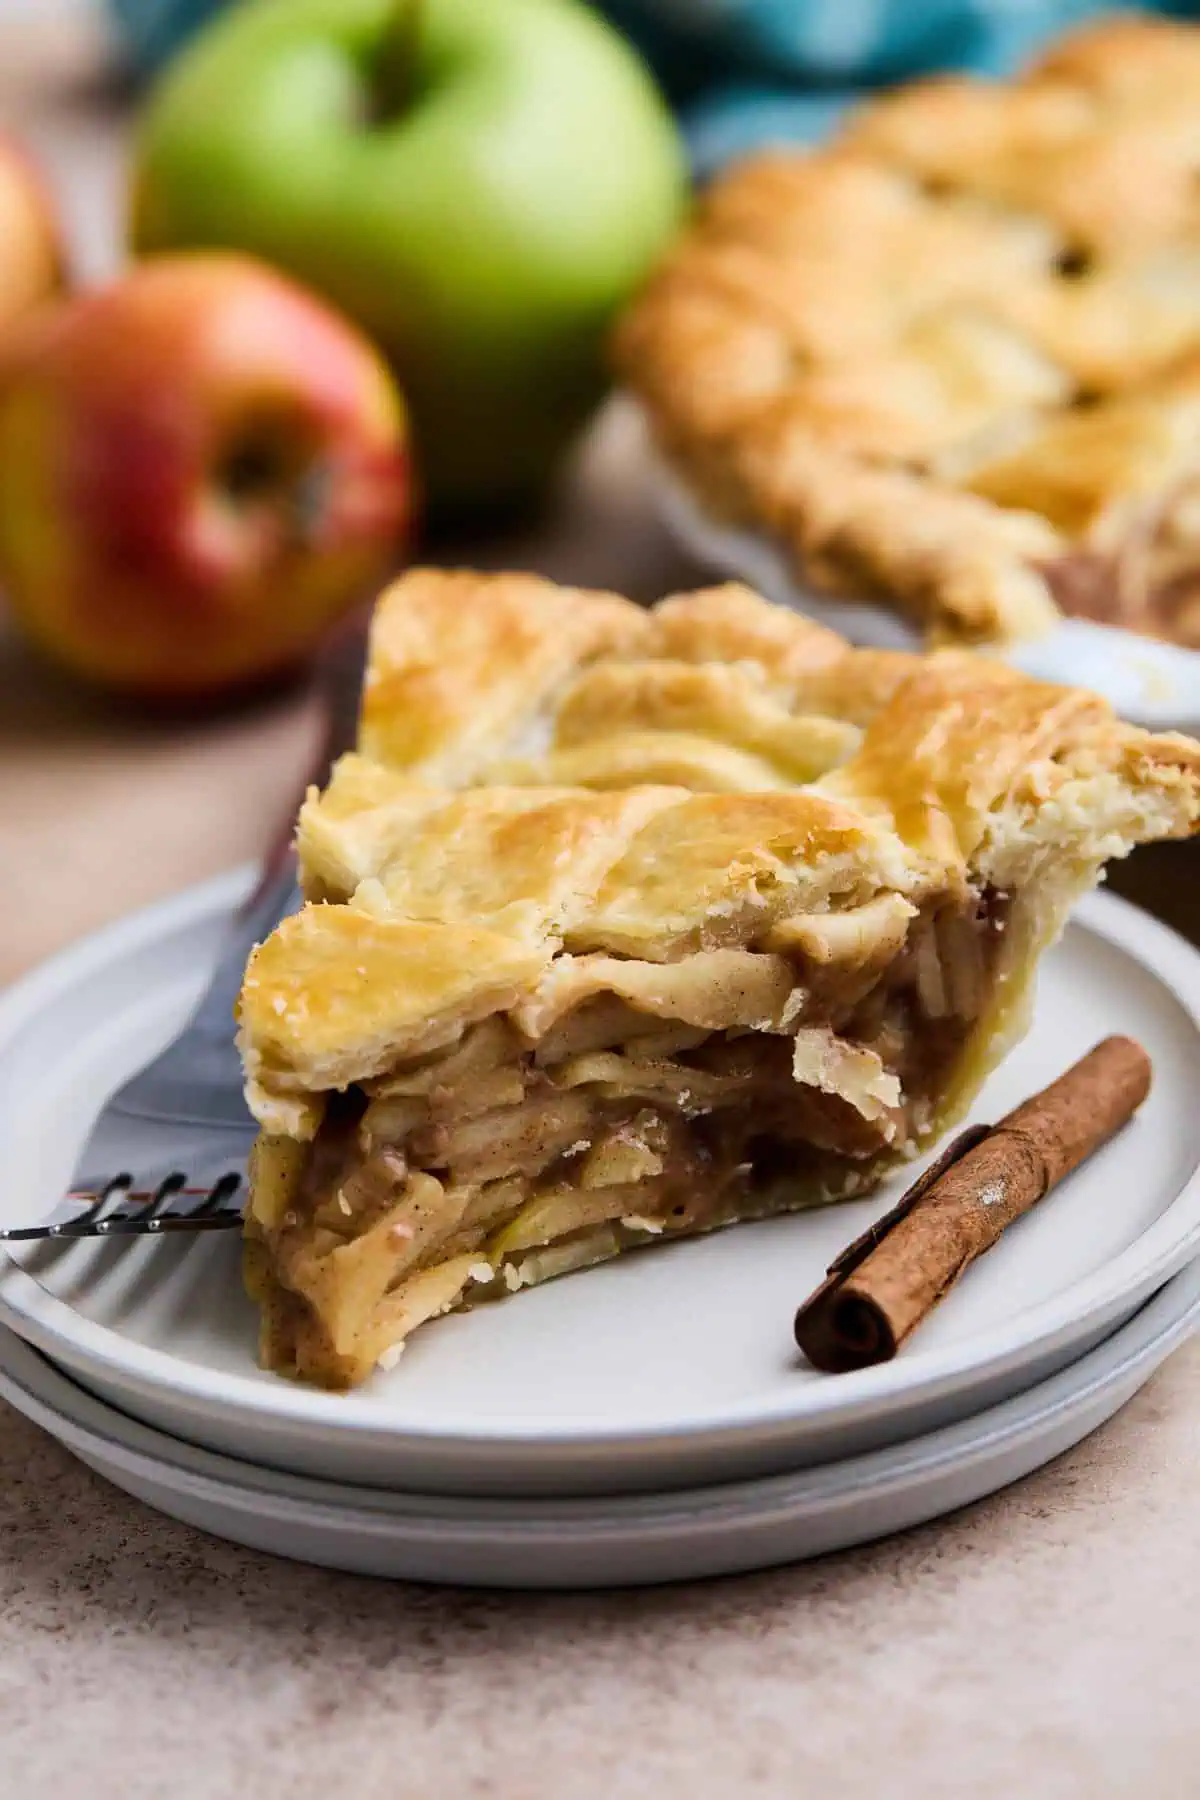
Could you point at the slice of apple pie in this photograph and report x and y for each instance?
(624, 925)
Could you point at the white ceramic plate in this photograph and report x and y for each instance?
(669, 1367)
(1152, 684)
(614, 1540)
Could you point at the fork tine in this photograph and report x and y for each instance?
(91, 1220)
(207, 1214)
(220, 1192)
(118, 1184)
(212, 1214)
(144, 1211)
(172, 1184)
(160, 1212)
(166, 1225)
(99, 1196)
(159, 1216)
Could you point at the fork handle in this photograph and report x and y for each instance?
(198, 1081)
(275, 893)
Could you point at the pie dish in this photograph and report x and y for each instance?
(623, 925)
(951, 360)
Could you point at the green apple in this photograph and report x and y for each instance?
(478, 183)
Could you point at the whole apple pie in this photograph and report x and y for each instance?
(624, 925)
(951, 361)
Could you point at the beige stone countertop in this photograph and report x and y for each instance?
(1043, 1644)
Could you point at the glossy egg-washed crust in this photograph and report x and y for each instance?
(943, 355)
(545, 770)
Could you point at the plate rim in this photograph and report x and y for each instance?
(54, 1327)
(1160, 1325)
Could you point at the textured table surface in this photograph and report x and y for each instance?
(1045, 1643)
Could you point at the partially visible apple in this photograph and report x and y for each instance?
(30, 250)
(479, 183)
(201, 467)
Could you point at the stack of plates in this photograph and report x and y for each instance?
(647, 1421)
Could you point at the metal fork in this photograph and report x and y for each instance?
(187, 1104)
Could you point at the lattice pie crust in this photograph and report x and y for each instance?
(952, 361)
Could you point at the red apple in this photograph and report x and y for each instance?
(201, 467)
(30, 253)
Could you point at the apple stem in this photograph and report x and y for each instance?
(395, 73)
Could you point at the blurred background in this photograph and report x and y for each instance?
(246, 459)
(107, 802)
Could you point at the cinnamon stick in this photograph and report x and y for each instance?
(888, 1280)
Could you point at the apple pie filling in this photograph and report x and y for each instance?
(620, 1102)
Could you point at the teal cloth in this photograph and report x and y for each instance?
(745, 72)
(153, 30)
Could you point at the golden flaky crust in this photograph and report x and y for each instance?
(807, 776)
(455, 660)
(952, 360)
